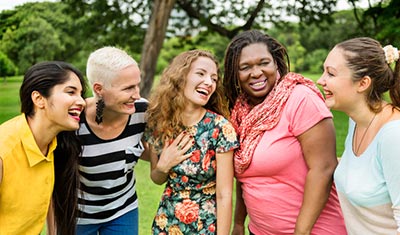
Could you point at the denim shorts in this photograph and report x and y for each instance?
(126, 224)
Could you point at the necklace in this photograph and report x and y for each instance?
(365, 132)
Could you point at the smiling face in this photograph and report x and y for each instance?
(257, 72)
(339, 89)
(124, 90)
(201, 81)
(65, 104)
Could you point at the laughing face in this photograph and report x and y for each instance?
(257, 72)
(124, 90)
(201, 81)
(65, 104)
(338, 87)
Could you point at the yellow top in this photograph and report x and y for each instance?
(28, 179)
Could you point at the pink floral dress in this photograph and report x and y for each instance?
(188, 204)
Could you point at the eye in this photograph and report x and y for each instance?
(330, 74)
(71, 92)
(244, 68)
(200, 73)
(215, 79)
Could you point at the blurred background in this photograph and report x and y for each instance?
(153, 32)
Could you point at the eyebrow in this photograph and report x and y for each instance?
(71, 87)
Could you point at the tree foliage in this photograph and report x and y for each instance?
(7, 67)
(34, 32)
(70, 29)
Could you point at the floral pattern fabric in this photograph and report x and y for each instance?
(188, 203)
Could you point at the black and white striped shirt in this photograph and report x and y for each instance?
(107, 177)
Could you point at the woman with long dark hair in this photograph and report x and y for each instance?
(38, 155)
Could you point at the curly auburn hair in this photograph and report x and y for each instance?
(167, 101)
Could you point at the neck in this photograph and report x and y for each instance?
(110, 118)
(42, 132)
(193, 116)
(361, 115)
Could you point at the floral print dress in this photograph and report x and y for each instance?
(188, 203)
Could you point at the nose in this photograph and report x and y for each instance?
(136, 93)
(255, 72)
(208, 80)
(321, 81)
(81, 102)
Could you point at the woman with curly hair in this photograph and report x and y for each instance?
(192, 147)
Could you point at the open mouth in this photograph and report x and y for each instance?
(203, 91)
(327, 93)
(75, 113)
(258, 85)
(261, 83)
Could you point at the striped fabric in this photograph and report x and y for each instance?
(106, 167)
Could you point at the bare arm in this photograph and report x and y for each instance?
(319, 149)
(146, 153)
(171, 155)
(224, 192)
(240, 212)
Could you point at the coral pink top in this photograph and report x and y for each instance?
(273, 185)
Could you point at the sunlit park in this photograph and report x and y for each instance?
(153, 32)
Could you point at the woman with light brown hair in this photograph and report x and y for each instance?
(357, 74)
(192, 146)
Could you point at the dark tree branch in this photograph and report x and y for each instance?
(206, 21)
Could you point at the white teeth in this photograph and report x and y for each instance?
(75, 112)
(202, 91)
(258, 84)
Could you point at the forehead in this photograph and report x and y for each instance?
(204, 63)
(254, 51)
(335, 58)
(72, 79)
(130, 74)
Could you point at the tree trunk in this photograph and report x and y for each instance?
(153, 42)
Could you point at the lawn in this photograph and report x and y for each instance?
(149, 193)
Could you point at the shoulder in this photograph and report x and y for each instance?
(301, 90)
(13, 125)
(13, 131)
(218, 119)
(390, 131)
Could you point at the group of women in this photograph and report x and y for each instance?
(269, 128)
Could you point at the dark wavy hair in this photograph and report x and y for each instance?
(42, 77)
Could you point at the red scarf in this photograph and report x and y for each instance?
(251, 123)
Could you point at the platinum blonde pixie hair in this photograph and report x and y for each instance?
(104, 64)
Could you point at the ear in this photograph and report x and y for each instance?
(364, 84)
(38, 100)
(97, 88)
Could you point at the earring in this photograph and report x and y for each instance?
(99, 110)
(238, 88)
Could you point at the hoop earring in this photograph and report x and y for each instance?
(99, 110)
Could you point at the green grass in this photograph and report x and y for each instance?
(9, 97)
(149, 193)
